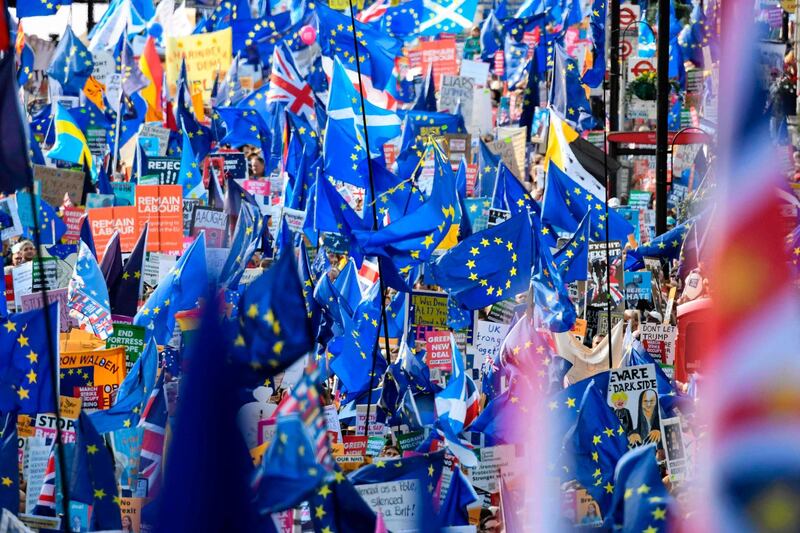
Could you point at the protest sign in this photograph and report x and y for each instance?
(29, 302)
(354, 444)
(428, 310)
(455, 90)
(598, 284)
(131, 338)
(92, 376)
(126, 443)
(99, 200)
(659, 341)
(638, 288)
(497, 216)
(158, 132)
(493, 462)
(294, 219)
(226, 165)
(10, 225)
(132, 508)
(638, 199)
(513, 151)
(22, 282)
(162, 207)
(72, 219)
(633, 394)
(189, 205)
(211, 220)
(482, 121)
(376, 428)
(441, 54)
(332, 425)
(672, 440)
(207, 56)
(124, 193)
(165, 170)
(55, 182)
(398, 501)
(37, 453)
(477, 71)
(458, 146)
(438, 351)
(104, 221)
(579, 329)
(488, 338)
(44, 424)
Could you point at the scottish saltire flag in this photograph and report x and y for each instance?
(447, 16)
(452, 407)
(287, 87)
(345, 142)
(92, 478)
(572, 259)
(179, 290)
(72, 63)
(567, 92)
(190, 176)
(71, 145)
(26, 356)
(565, 203)
(489, 266)
(88, 295)
(154, 425)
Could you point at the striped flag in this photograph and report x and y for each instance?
(150, 65)
(154, 423)
(374, 12)
(287, 86)
(46, 504)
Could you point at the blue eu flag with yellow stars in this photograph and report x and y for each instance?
(274, 329)
(641, 501)
(565, 203)
(595, 444)
(568, 94)
(510, 195)
(337, 507)
(666, 246)
(572, 259)
(72, 62)
(9, 473)
(549, 291)
(489, 266)
(412, 238)
(27, 354)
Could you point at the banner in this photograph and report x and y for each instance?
(162, 206)
(206, 55)
(104, 221)
(92, 376)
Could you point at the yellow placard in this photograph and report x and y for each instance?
(69, 407)
(92, 376)
(206, 55)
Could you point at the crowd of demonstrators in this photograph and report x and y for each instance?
(268, 268)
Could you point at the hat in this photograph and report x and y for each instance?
(656, 315)
(613, 202)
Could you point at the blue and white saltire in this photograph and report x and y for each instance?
(88, 295)
(451, 408)
(446, 16)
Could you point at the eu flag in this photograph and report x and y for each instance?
(124, 292)
(565, 203)
(9, 458)
(27, 355)
(572, 259)
(510, 195)
(597, 23)
(274, 328)
(331, 212)
(596, 443)
(337, 507)
(567, 93)
(489, 266)
(666, 246)
(179, 290)
(488, 164)
(72, 63)
(92, 478)
(246, 238)
(40, 8)
(640, 501)
(549, 291)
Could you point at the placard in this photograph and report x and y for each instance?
(72, 219)
(488, 339)
(165, 169)
(158, 132)
(207, 55)
(211, 220)
(659, 341)
(162, 207)
(55, 182)
(35, 300)
(672, 440)
(438, 350)
(638, 288)
(633, 394)
(398, 501)
(441, 54)
(477, 71)
(428, 310)
(10, 225)
(92, 376)
(129, 337)
(492, 463)
(104, 221)
(454, 90)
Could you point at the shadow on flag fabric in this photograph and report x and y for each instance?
(595, 444)
(72, 63)
(640, 501)
(9, 458)
(337, 507)
(202, 492)
(124, 292)
(568, 94)
(179, 290)
(27, 354)
(71, 145)
(489, 266)
(88, 295)
(92, 478)
(111, 264)
(15, 168)
(274, 329)
(565, 203)
(572, 259)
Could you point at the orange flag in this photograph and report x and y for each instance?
(151, 67)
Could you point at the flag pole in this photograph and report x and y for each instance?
(48, 326)
(374, 223)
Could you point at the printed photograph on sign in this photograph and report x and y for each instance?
(633, 394)
(677, 460)
(597, 292)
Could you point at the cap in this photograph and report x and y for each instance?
(656, 315)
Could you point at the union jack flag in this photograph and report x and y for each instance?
(88, 295)
(154, 423)
(287, 86)
(374, 12)
(46, 504)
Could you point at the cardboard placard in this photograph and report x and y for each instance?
(454, 90)
(633, 394)
(488, 339)
(55, 182)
